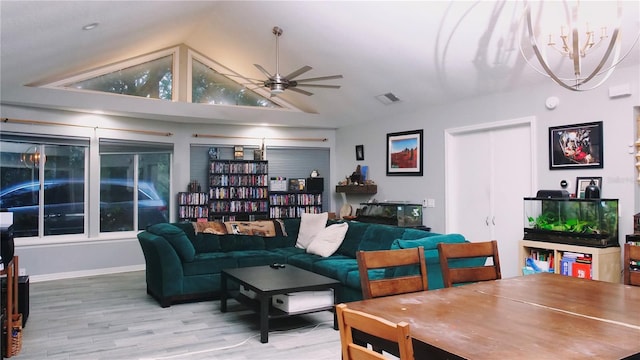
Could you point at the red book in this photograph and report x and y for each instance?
(581, 270)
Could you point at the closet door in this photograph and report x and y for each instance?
(511, 181)
(470, 178)
(489, 172)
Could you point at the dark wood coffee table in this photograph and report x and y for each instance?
(267, 282)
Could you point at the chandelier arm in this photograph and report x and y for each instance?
(539, 56)
(577, 70)
(614, 43)
(623, 56)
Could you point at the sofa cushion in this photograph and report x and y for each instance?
(177, 238)
(287, 252)
(187, 227)
(310, 225)
(209, 263)
(336, 267)
(232, 242)
(247, 258)
(429, 242)
(206, 242)
(412, 234)
(352, 238)
(327, 241)
(304, 260)
(379, 237)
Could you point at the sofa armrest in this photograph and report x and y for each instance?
(163, 265)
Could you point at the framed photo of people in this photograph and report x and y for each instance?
(576, 146)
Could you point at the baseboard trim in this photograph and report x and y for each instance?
(85, 273)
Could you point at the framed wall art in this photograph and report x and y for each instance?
(576, 146)
(583, 182)
(404, 153)
(359, 152)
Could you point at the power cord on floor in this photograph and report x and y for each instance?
(272, 333)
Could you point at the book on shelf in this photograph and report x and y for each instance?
(576, 265)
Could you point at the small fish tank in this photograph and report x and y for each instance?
(584, 222)
(391, 213)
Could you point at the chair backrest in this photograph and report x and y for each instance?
(457, 275)
(348, 320)
(385, 259)
(631, 253)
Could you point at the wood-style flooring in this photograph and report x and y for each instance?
(112, 317)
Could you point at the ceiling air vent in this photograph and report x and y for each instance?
(388, 98)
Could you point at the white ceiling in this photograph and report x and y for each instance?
(425, 52)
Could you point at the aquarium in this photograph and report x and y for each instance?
(585, 222)
(398, 214)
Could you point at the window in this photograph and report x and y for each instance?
(43, 184)
(134, 184)
(211, 87)
(152, 79)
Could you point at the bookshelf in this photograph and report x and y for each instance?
(294, 197)
(238, 190)
(605, 262)
(293, 204)
(193, 206)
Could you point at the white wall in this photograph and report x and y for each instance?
(618, 116)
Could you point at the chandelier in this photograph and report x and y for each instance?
(32, 158)
(577, 40)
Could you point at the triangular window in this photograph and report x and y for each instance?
(152, 79)
(209, 86)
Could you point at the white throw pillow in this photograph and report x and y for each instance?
(310, 225)
(328, 240)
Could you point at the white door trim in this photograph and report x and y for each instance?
(449, 135)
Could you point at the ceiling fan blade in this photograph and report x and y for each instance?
(300, 91)
(319, 86)
(298, 72)
(331, 77)
(263, 71)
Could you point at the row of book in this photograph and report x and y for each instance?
(570, 264)
(576, 265)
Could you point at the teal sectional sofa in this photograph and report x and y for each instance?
(184, 266)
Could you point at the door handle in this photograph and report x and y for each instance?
(486, 221)
(493, 220)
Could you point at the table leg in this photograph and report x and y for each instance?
(264, 319)
(223, 292)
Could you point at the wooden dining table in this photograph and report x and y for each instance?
(541, 316)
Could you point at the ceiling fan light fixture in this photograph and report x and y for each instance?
(277, 88)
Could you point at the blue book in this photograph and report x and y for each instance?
(566, 265)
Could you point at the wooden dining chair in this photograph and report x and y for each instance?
(631, 276)
(410, 281)
(350, 320)
(466, 274)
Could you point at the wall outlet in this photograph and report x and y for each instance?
(431, 203)
(22, 272)
(424, 202)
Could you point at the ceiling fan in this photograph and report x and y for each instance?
(277, 83)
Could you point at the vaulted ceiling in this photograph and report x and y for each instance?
(424, 52)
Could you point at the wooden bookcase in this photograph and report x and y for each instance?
(193, 206)
(605, 262)
(238, 190)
